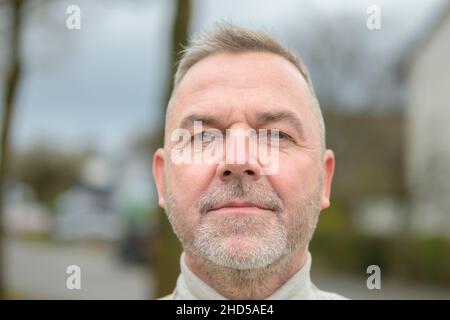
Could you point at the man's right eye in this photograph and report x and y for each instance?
(206, 136)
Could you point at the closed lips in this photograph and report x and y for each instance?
(239, 205)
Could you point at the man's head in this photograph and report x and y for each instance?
(230, 213)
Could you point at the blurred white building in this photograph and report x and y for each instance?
(107, 198)
(23, 215)
(428, 128)
(85, 211)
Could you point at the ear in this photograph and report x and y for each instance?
(158, 175)
(328, 167)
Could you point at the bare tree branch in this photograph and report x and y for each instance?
(12, 81)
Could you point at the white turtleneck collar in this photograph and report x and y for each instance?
(298, 287)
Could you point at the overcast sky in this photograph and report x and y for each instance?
(105, 83)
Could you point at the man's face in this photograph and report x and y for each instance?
(231, 213)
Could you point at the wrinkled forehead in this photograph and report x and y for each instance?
(239, 81)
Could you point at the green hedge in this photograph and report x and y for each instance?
(420, 259)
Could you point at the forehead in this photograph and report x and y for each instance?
(240, 82)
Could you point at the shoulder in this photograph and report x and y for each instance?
(168, 297)
(325, 295)
(331, 296)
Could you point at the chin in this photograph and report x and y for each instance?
(242, 253)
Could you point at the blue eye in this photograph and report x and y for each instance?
(207, 136)
(279, 135)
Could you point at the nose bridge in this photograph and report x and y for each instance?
(240, 157)
(237, 146)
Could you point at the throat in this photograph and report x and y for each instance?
(249, 284)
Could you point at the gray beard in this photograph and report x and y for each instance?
(272, 243)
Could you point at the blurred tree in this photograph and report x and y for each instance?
(47, 171)
(10, 94)
(166, 247)
(370, 164)
(349, 65)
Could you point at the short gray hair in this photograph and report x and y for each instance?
(226, 37)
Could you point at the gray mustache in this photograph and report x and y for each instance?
(237, 188)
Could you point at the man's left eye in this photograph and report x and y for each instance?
(278, 135)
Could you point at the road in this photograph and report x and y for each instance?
(37, 270)
(356, 288)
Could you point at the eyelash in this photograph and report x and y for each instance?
(288, 137)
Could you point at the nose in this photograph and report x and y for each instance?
(240, 157)
(232, 171)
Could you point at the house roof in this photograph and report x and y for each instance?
(419, 43)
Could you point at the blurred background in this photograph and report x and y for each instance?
(83, 106)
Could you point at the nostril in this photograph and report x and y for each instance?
(250, 172)
(227, 173)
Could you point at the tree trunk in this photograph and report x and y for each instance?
(166, 246)
(12, 80)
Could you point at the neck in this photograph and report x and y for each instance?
(255, 284)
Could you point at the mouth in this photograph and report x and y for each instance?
(239, 207)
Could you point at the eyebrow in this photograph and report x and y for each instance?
(188, 121)
(280, 116)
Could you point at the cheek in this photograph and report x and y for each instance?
(187, 182)
(297, 178)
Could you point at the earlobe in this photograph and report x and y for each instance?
(158, 175)
(328, 172)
